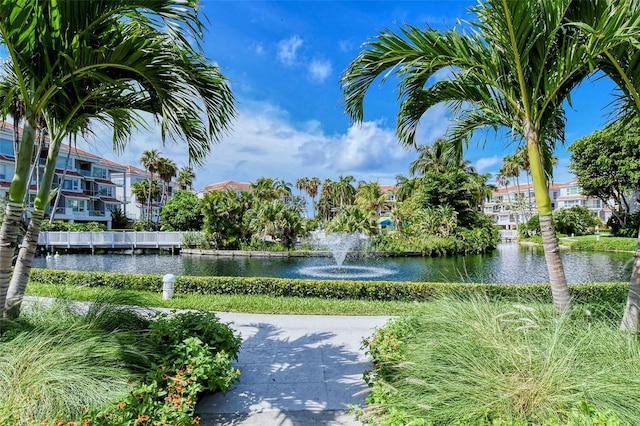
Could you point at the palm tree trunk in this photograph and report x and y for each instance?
(13, 211)
(22, 269)
(631, 318)
(557, 279)
(18, 284)
(8, 240)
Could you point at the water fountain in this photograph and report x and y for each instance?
(339, 244)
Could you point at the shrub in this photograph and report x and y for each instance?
(625, 224)
(364, 290)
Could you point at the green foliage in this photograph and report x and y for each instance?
(576, 220)
(625, 225)
(357, 290)
(118, 219)
(276, 220)
(354, 219)
(470, 362)
(531, 228)
(223, 213)
(607, 163)
(196, 240)
(57, 364)
(604, 243)
(74, 226)
(145, 225)
(417, 233)
(182, 213)
(173, 330)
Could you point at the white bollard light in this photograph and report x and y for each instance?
(167, 286)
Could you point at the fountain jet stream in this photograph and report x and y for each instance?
(339, 244)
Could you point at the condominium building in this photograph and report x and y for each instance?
(571, 195)
(511, 205)
(89, 187)
(516, 204)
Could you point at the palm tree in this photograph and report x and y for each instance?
(263, 189)
(186, 177)
(149, 160)
(370, 197)
(312, 190)
(514, 70)
(106, 61)
(167, 170)
(439, 156)
(345, 192)
(406, 186)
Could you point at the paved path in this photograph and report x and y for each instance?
(296, 370)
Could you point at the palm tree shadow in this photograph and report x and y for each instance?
(308, 380)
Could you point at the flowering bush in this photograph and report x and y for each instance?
(186, 367)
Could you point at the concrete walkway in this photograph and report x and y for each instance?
(296, 370)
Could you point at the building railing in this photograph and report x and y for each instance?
(110, 239)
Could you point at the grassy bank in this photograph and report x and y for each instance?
(592, 243)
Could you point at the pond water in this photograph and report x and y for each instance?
(510, 263)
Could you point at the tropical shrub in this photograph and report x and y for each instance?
(182, 213)
(58, 364)
(195, 240)
(74, 226)
(625, 225)
(576, 220)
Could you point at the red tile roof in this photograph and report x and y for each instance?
(74, 194)
(229, 184)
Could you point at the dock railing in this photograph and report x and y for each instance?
(110, 239)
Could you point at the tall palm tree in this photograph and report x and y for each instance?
(149, 160)
(312, 190)
(107, 60)
(514, 69)
(345, 192)
(186, 177)
(167, 170)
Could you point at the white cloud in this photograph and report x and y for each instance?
(264, 142)
(258, 48)
(485, 164)
(288, 50)
(320, 70)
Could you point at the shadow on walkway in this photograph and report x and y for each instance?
(289, 379)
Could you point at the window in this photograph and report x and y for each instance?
(105, 191)
(76, 205)
(573, 190)
(99, 172)
(71, 185)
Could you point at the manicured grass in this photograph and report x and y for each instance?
(474, 362)
(601, 243)
(231, 303)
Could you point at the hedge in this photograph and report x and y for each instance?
(336, 289)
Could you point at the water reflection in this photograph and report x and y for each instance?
(510, 263)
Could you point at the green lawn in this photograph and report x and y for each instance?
(230, 303)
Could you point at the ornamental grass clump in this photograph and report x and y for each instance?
(108, 364)
(55, 362)
(471, 362)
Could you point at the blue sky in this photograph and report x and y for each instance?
(284, 60)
